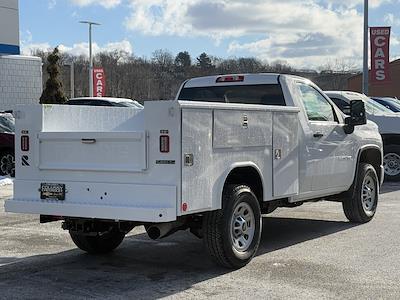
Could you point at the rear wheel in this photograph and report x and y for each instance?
(102, 242)
(232, 234)
(361, 206)
(391, 162)
(7, 163)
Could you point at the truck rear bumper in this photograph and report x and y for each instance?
(125, 202)
(139, 214)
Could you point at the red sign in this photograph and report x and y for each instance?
(99, 82)
(380, 38)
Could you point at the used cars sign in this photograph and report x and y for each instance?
(99, 82)
(380, 37)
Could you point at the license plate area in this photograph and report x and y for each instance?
(52, 191)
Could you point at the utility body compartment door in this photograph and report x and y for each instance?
(92, 151)
(218, 138)
(285, 154)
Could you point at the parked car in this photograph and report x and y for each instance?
(228, 149)
(389, 128)
(7, 132)
(104, 101)
(391, 103)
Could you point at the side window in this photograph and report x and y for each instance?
(100, 103)
(265, 94)
(316, 106)
(343, 105)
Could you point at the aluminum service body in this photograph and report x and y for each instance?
(123, 176)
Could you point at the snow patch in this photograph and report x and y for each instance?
(6, 180)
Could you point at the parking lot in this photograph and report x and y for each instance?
(310, 252)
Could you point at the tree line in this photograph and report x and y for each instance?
(160, 76)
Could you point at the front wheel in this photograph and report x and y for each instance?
(232, 234)
(360, 206)
(391, 162)
(101, 243)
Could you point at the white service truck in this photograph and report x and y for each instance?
(388, 123)
(227, 150)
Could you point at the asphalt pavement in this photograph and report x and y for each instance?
(309, 252)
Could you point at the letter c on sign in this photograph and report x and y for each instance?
(380, 38)
(99, 75)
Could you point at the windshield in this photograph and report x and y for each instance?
(392, 104)
(7, 123)
(265, 94)
(128, 104)
(374, 108)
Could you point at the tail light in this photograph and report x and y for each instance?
(164, 143)
(24, 142)
(230, 78)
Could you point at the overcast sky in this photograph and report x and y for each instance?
(304, 33)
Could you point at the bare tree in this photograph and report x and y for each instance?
(160, 76)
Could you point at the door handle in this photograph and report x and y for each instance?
(88, 141)
(318, 134)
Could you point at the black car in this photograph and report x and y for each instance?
(7, 133)
(392, 103)
(104, 101)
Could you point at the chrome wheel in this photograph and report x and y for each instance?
(368, 194)
(7, 164)
(391, 163)
(242, 227)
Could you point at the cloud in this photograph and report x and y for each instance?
(25, 37)
(104, 3)
(51, 4)
(29, 49)
(391, 20)
(354, 3)
(301, 32)
(81, 48)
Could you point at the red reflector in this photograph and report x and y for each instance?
(24, 142)
(234, 78)
(164, 143)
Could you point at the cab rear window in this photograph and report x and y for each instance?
(264, 94)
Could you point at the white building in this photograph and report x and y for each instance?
(20, 76)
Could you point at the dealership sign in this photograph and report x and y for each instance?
(380, 38)
(99, 82)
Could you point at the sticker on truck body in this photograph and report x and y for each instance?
(25, 160)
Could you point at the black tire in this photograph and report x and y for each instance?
(391, 160)
(99, 244)
(7, 167)
(353, 206)
(218, 232)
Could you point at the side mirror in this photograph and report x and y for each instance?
(357, 116)
(357, 113)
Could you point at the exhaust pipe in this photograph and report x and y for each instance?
(161, 230)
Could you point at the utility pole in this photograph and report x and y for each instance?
(365, 56)
(72, 79)
(90, 56)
